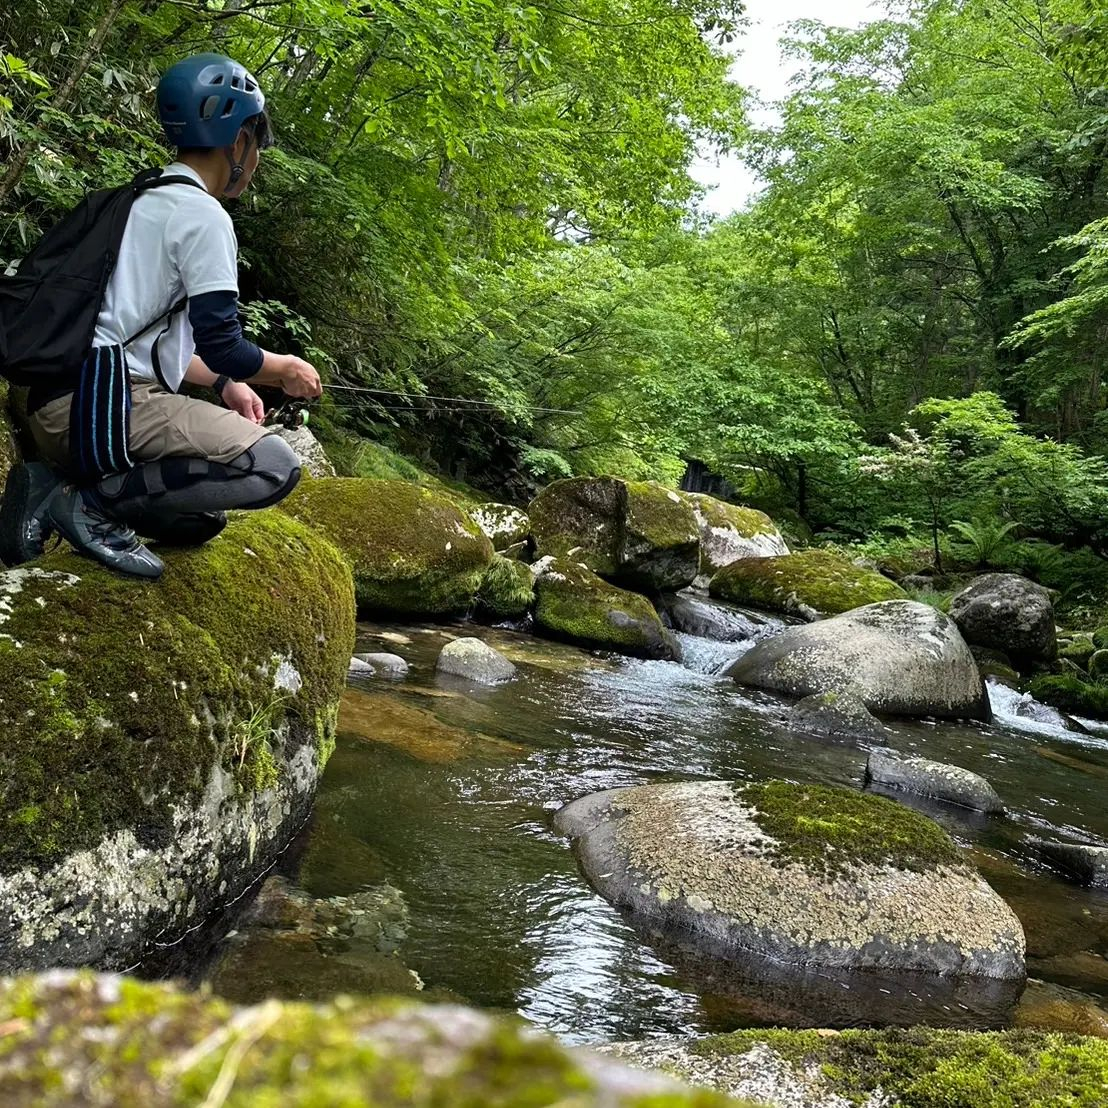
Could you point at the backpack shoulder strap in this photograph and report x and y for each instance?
(155, 178)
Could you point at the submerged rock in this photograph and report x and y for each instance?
(1007, 612)
(807, 875)
(636, 532)
(811, 584)
(1051, 1007)
(575, 604)
(1085, 864)
(837, 716)
(411, 550)
(385, 665)
(900, 657)
(161, 744)
(918, 1067)
(729, 532)
(934, 779)
(503, 524)
(115, 1041)
(359, 668)
(475, 661)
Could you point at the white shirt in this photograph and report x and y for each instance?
(179, 242)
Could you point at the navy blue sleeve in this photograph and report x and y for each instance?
(218, 336)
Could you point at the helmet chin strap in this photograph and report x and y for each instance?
(238, 168)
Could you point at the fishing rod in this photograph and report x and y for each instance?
(452, 399)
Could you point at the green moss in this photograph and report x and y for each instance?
(811, 582)
(924, 1068)
(1079, 650)
(117, 697)
(748, 522)
(507, 590)
(411, 550)
(658, 516)
(1069, 693)
(574, 604)
(9, 451)
(135, 1045)
(1100, 638)
(582, 515)
(826, 829)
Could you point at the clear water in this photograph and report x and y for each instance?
(452, 787)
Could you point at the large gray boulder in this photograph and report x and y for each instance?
(901, 657)
(730, 532)
(309, 450)
(805, 875)
(836, 715)
(1088, 865)
(940, 781)
(475, 660)
(1009, 613)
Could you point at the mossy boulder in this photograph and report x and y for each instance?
(901, 658)
(638, 533)
(811, 584)
(809, 876)
(573, 603)
(412, 550)
(161, 740)
(1070, 693)
(507, 590)
(918, 1067)
(1079, 649)
(105, 1042)
(1007, 612)
(503, 524)
(729, 532)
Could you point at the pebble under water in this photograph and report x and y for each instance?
(441, 793)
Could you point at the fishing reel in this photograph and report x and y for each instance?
(291, 414)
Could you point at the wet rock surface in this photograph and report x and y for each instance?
(1083, 863)
(384, 665)
(900, 657)
(475, 660)
(708, 619)
(837, 716)
(938, 780)
(807, 875)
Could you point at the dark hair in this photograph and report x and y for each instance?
(257, 126)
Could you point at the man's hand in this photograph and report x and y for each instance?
(241, 398)
(299, 378)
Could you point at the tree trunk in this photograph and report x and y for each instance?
(62, 97)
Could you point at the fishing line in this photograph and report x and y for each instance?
(484, 405)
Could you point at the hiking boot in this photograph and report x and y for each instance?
(92, 533)
(24, 523)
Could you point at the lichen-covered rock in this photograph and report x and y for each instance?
(107, 1042)
(721, 622)
(507, 590)
(1009, 613)
(837, 715)
(901, 657)
(935, 779)
(475, 661)
(918, 1067)
(503, 524)
(161, 740)
(411, 550)
(729, 532)
(636, 532)
(573, 603)
(1085, 864)
(313, 458)
(806, 875)
(811, 584)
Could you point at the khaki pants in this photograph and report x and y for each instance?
(163, 425)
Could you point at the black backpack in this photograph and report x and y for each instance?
(49, 307)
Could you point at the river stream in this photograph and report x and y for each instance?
(441, 793)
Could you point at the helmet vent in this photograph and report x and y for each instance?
(228, 109)
(216, 80)
(208, 107)
(236, 82)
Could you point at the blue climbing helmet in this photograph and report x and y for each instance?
(205, 99)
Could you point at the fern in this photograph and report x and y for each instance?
(986, 541)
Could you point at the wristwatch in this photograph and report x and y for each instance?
(220, 384)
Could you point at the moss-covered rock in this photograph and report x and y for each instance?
(161, 740)
(9, 450)
(1070, 693)
(637, 532)
(411, 550)
(507, 590)
(780, 871)
(116, 1043)
(729, 532)
(812, 584)
(1078, 649)
(503, 524)
(573, 603)
(915, 1068)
